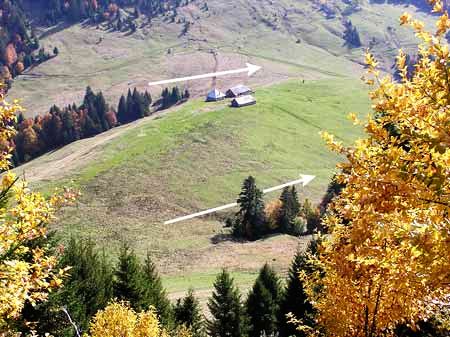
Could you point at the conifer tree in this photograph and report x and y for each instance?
(290, 208)
(250, 219)
(122, 110)
(295, 300)
(128, 284)
(263, 303)
(87, 289)
(130, 107)
(154, 292)
(187, 312)
(227, 312)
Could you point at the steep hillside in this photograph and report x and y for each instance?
(195, 156)
(135, 177)
(289, 38)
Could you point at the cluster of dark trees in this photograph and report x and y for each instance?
(94, 281)
(351, 35)
(286, 215)
(18, 42)
(59, 127)
(100, 10)
(172, 97)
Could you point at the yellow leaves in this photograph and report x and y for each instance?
(27, 271)
(438, 7)
(443, 24)
(390, 231)
(119, 320)
(370, 62)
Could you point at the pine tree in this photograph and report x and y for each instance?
(128, 284)
(130, 107)
(154, 294)
(139, 105)
(290, 208)
(250, 219)
(122, 110)
(227, 312)
(87, 289)
(187, 312)
(295, 300)
(263, 303)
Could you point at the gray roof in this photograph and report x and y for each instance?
(243, 100)
(240, 89)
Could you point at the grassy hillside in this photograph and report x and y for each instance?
(289, 38)
(135, 177)
(195, 156)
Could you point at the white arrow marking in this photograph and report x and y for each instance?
(304, 180)
(250, 70)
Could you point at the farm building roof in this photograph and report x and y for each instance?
(239, 90)
(215, 95)
(243, 101)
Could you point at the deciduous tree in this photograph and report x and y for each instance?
(387, 260)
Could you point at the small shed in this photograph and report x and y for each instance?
(215, 95)
(242, 101)
(239, 90)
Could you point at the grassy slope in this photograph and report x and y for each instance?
(263, 32)
(135, 177)
(196, 157)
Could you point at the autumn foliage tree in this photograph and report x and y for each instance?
(119, 320)
(387, 260)
(27, 270)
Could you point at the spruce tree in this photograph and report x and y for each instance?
(130, 107)
(187, 312)
(263, 303)
(250, 219)
(128, 284)
(87, 289)
(290, 207)
(154, 292)
(122, 110)
(139, 104)
(295, 300)
(227, 312)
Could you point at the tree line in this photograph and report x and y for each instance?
(101, 10)
(286, 215)
(94, 281)
(19, 45)
(59, 127)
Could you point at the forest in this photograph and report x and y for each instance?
(62, 126)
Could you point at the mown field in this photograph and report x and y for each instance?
(193, 157)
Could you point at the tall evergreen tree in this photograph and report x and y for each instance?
(128, 284)
(187, 312)
(154, 292)
(130, 107)
(88, 288)
(139, 105)
(290, 207)
(227, 312)
(295, 300)
(250, 219)
(263, 303)
(122, 110)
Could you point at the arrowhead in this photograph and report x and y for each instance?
(252, 69)
(307, 179)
